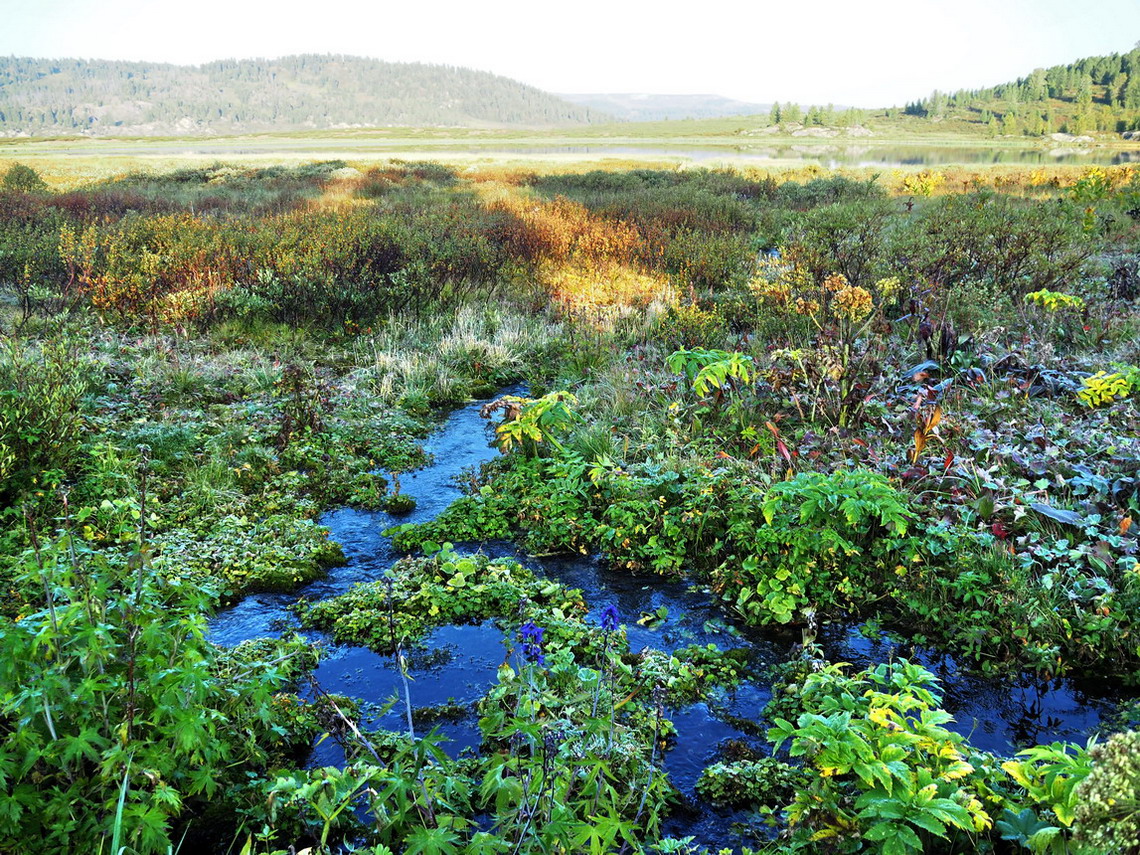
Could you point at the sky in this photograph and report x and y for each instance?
(872, 53)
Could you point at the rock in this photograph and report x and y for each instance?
(816, 132)
(860, 131)
(1069, 138)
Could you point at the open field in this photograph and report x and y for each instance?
(708, 143)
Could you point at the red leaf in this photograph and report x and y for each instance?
(783, 449)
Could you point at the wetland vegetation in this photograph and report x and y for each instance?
(747, 427)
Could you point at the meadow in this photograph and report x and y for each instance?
(898, 405)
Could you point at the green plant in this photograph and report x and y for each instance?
(825, 540)
(22, 179)
(711, 369)
(883, 767)
(1050, 776)
(1106, 803)
(115, 720)
(528, 422)
(41, 390)
(747, 783)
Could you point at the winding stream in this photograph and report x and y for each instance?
(458, 664)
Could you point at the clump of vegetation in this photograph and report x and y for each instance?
(1106, 802)
(421, 593)
(750, 783)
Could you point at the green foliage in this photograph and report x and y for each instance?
(117, 714)
(748, 783)
(22, 179)
(485, 515)
(827, 540)
(1050, 775)
(41, 424)
(691, 327)
(695, 671)
(711, 369)
(584, 777)
(849, 238)
(528, 422)
(343, 90)
(883, 767)
(239, 555)
(421, 593)
(1016, 246)
(1106, 803)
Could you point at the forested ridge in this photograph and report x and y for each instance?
(104, 97)
(1097, 93)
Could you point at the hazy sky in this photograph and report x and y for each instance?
(870, 53)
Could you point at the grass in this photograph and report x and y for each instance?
(740, 141)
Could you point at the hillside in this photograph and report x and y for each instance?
(102, 98)
(643, 107)
(1098, 93)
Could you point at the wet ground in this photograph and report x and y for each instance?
(456, 665)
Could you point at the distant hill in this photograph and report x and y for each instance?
(1097, 93)
(112, 98)
(632, 107)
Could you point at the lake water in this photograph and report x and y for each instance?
(830, 154)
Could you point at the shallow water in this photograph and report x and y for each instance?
(753, 150)
(458, 664)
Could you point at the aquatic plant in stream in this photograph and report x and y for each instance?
(570, 773)
(422, 593)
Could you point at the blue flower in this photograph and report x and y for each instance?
(531, 636)
(610, 618)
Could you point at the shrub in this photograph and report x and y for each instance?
(41, 390)
(827, 540)
(22, 179)
(1018, 245)
(849, 238)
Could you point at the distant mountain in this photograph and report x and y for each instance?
(632, 107)
(112, 98)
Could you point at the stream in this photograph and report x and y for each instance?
(456, 665)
